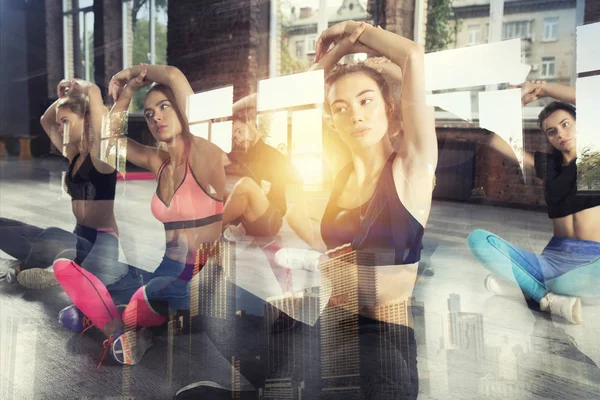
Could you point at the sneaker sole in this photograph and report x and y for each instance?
(132, 347)
(37, 278)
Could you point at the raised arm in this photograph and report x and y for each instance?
(534, 90)
(418, 117)
(500, 145)
(349, 44)
(97, 111)
(167, 75)
(48, 122)
(143, 156)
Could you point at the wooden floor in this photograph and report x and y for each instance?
(495, 348)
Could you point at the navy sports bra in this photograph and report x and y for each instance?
(381, 225)
(88, 183)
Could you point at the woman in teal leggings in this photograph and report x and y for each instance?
(569, 267)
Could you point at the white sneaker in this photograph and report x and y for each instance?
(130, 347)
(292, 258)
(501, 287)
(37, 278)
(7, 270)
(564, 306)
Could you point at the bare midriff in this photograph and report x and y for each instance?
(96, 214)
(583, 225)
(182, 244)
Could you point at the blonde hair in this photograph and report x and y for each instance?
(76, 104)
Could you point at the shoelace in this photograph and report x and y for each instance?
(7, 274)
(87, 324)
(107, 345)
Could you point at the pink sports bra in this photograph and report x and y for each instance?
(191, 206)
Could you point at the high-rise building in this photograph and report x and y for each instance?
(212, 290)
(293, 353)
(350, 278)
(467, 352)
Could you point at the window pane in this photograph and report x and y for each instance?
(137, 40)
(87, 46)
(161, 32)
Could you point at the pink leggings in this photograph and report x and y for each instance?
(169, 285)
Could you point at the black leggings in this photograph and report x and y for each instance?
(37, 247)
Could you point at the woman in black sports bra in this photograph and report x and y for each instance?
(568, 269)
(381, 200)
(91, 183)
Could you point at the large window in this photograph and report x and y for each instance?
(516, 29)
(78, 35)
(550, 29)
(144, 36)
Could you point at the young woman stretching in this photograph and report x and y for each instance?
(569, 267)
(190, 183)
(71, 123)
(381, 200)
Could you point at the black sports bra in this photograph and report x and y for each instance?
(560, 186)
(382, 224)
(88, 183)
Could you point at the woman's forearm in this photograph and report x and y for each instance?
(155, 73)
(392, 46)
(559, 92)
(48, 122)
(123, 102)
(403, 52)
(329, 60)
(248, 102)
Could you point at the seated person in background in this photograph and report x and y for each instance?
(257, 202)
(569, 267)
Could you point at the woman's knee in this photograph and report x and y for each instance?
(69, 254)
(478, 238)
(245, 186)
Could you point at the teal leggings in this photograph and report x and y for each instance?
(567, 266)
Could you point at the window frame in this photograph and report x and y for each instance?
(81, 13)
(302, 43)
(152, 15)
(547, 62)
(515, 27)
(476, 30)
(552, 23)
(311, 44)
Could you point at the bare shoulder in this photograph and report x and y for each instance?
(206, 162)
(206, 152)
(157, 160)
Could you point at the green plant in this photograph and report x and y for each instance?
(442, 25)
(289, 65)
(588, 170)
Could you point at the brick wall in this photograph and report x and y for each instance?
(395, 15)
(592, 11)
(499, 176)
(218, 43)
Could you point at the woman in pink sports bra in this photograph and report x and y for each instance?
(188, 201)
